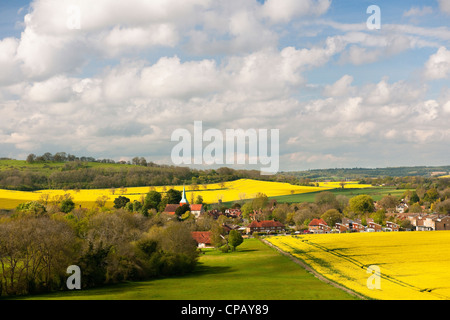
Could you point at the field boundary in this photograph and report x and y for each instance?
(315, 273)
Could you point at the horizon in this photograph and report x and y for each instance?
(193, 167)
(116, 80)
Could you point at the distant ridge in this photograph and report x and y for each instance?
(359, 173)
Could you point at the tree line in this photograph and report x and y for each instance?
(81, 173)
(109, 245)
(361, 173)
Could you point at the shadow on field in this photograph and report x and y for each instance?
(204, 270)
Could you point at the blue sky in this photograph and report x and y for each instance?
(117, 87)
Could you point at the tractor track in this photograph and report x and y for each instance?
(359, 265)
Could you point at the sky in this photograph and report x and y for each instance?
(114, 79)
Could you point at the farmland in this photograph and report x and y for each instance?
(375, 192)
(413, 265)
(228, 191)
(254, 271)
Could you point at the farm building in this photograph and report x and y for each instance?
(203, 238)
(318, 226)
(267, 226)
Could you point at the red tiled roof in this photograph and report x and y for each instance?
(202, 236)
(265, 224)
(196, 207)
(170, 208)
(316, 222)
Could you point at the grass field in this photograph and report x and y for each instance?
(375, 192)
(413, 265)
(230, 191)
(254, 272)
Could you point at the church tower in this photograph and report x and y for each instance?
(183, 198)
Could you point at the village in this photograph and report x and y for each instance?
(254, 227)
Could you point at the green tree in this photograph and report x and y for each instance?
(443, 207)
(388, 202)
(67, 205)
(379, 216)
(121, 202)
(260, 201)
(217, 235)
(199, 200)
(137, 206)
(32, 207)
(281, 212)
(152, 200)
(331, 217)
(414, 198)
(173, 196)
(246, 209)
(234, 239)
(182, 210)
(326, 198)
(431, 195)
(415, 208)
(361, 204)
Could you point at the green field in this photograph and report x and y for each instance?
(49, 167)
(254, 272)
(376, 193)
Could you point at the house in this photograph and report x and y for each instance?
(353, 225)
(391, 226)
(430, 222)
(318, 226)
(414, 219)
(357, 227)
(340, 228)
(267, 226)
(171, 208)
(203, 238)
(197, 209)
(233, 213)
(443, 223)
(401, 207)
(371, 224)
(434, 222)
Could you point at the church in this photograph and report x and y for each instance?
(196, 209)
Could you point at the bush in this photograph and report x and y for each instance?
(235, 239)
(225, 248)
(67, 205)
(121, 202)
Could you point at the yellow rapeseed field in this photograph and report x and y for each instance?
(211, 193)
(348, 185)
(412, 265)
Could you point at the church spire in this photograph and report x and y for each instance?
(183, 198)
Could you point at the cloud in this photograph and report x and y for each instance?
(135, 71)
(342, 87)
(285, 10)
(9, 64)
(416, 11)
(444, 5)
(438, 65)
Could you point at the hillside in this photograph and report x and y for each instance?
(57, 172)
(361, 173)
(24, 176)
